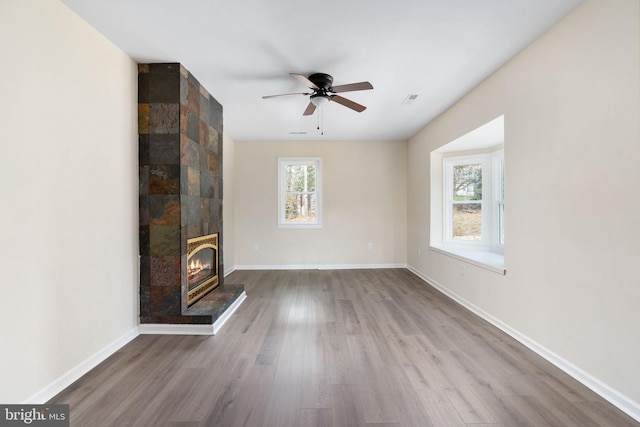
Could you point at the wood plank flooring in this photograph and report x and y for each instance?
(336, 348)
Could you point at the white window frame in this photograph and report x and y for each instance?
(492, 164)
(448, 164)
(283, 162)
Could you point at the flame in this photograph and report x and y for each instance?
(196, 266)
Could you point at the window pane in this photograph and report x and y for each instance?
(294, 181)
(467, 182)
(467, 221)
(301, 178)
(311, 178)
(300, 207)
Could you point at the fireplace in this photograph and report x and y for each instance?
(180, 128)
(202, 266)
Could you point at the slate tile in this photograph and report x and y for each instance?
(193, 210)
(143, 180)
(205, 106)
(143, 235)
(145, 270)
(164, 210)
(143, 118)
(193, 98)
(193, 127)
(164, 118)
(189, 152)
(205, 208)
(193, 178)
(143, 210)
(164, 179)
(206, 184)
(165, 270)
(143, 85)
(143, 149)
(184, 122)
(164, 149)
(165, 300)
(194, 230)
(164, 87)
(164, 240)
(184, 88)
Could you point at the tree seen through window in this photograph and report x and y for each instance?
(467, 201)
(300, 199)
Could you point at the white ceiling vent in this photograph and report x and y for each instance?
(410, 98)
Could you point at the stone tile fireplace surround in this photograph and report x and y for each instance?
(180, 166)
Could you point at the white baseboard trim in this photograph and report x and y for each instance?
(173, 329)
(74, 374)
(217, 325)
(619, 400)
(187, 329)
(228, 271)
(319, 266)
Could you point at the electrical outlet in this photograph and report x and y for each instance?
(255, 247)
(369, 245)
(419, 251)
(462, 269)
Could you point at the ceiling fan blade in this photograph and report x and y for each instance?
(310, 109)
(348, 103)
(351, 87)
(304, 80)
(285, 94)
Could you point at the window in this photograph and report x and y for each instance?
(473, 188)
(299, 192)
(467, 183)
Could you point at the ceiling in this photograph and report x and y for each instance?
(241, 50)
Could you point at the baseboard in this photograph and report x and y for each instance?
(229, 271)
(187, 329)
(619, 400)
(217, 325)
(174, 329)
(74, 374)
(319, 266)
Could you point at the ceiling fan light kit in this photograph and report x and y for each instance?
(319, 100)
(323, 92)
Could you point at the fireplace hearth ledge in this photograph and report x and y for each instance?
(193, 329)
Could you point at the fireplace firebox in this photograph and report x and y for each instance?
(202, 266)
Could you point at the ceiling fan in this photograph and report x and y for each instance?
(323, 92)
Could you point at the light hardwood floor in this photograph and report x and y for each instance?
(336, 348)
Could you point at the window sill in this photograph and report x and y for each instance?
(299, 225)
(481, 258)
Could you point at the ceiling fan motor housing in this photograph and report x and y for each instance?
(322, 80)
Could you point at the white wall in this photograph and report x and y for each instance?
(571, 102)
(228, 203)
(68, 196)
(364, 200)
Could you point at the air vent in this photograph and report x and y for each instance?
(410, 98)
(297, 133)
